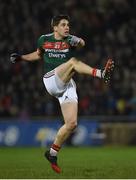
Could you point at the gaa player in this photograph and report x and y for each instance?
(57, 51)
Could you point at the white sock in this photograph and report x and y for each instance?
(53, 152)
(98, 73)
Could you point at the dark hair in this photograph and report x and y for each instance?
(56, 19)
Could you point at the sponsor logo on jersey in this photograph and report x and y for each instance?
(56, 49)
(60, 56)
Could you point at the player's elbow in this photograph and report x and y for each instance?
(82, 42)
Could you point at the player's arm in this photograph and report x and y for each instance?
(77, 42)
(34, 56)
(81, 43)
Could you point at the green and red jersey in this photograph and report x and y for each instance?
(55, 52)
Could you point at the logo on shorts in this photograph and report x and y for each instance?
(66, 97)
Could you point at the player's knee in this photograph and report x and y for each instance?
(73, 61)
(71, 125)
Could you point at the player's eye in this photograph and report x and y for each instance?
(64, 25)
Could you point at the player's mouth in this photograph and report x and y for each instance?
(66, 33)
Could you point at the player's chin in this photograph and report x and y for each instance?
(66, 34)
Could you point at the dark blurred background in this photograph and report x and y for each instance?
(107, 26)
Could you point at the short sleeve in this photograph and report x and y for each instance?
(40, 41)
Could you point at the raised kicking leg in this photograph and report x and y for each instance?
(67, 70)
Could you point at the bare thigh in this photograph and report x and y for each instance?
(65, 71)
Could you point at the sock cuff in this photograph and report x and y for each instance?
(94, 70)
(55, 147)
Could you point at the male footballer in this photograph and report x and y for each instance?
(60, 64)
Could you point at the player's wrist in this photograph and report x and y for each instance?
(15, 57)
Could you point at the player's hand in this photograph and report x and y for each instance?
(74, 41)
(15, 57)
(107, 72)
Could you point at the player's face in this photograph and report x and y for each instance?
(62, 29)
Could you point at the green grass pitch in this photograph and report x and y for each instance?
(76, 163)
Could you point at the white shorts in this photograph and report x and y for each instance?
(64, 92)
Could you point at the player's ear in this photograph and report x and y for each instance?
(55, 28)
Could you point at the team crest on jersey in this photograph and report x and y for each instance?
(64, 45)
